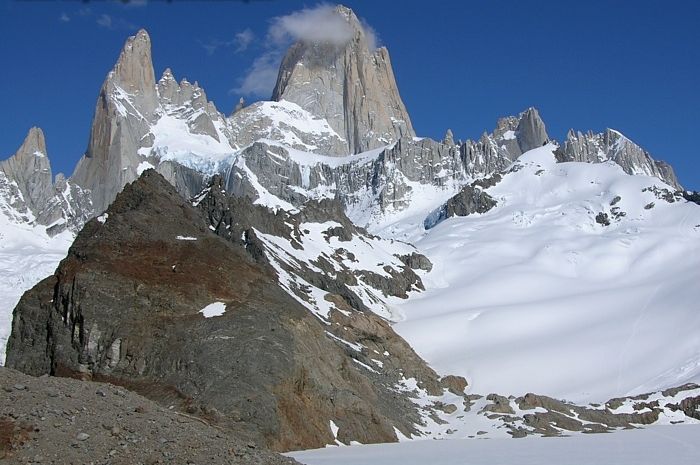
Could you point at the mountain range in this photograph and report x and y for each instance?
(308, 271)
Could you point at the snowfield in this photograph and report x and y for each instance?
(27, 255)
(536, 296)
(650, 446)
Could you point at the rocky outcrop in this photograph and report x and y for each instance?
(611, 145)
(126, 306)
(347, 84)
(692, 196)
(471, 199)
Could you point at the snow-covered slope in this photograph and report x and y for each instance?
(536, 295)
(27, 255)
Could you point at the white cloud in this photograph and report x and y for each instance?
(113, 22)
(370, 35)
(261, 77)
(243, 39)
(321, 23)
(135, 3)
(64, 18)
(318, 24)
(212, 46)
(105, 20)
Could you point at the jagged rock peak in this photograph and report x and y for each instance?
(167, 75)
(30, 169)
(125, 109)
(449, 138)
(34, 143)
(134, 68)
(342, 79)
(531, 132)
(612, 145)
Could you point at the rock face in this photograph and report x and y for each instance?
(349, 85)
(530, 132)
(126, 306)
(612, 145)
(123, 114)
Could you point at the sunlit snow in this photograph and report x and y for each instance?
(213, 309)
(27, 255)
(536, 296)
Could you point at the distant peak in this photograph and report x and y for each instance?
(531, 132)
(530, 112)
(449, 138)
(34, 142)
(167, 75)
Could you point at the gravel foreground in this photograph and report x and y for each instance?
(51, 420)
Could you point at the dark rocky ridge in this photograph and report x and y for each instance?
(123, 307)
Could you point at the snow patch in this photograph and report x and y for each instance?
(213, 309)
(143, 166)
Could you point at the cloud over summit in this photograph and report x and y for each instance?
(320, 24)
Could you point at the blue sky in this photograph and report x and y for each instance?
(629, 65)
